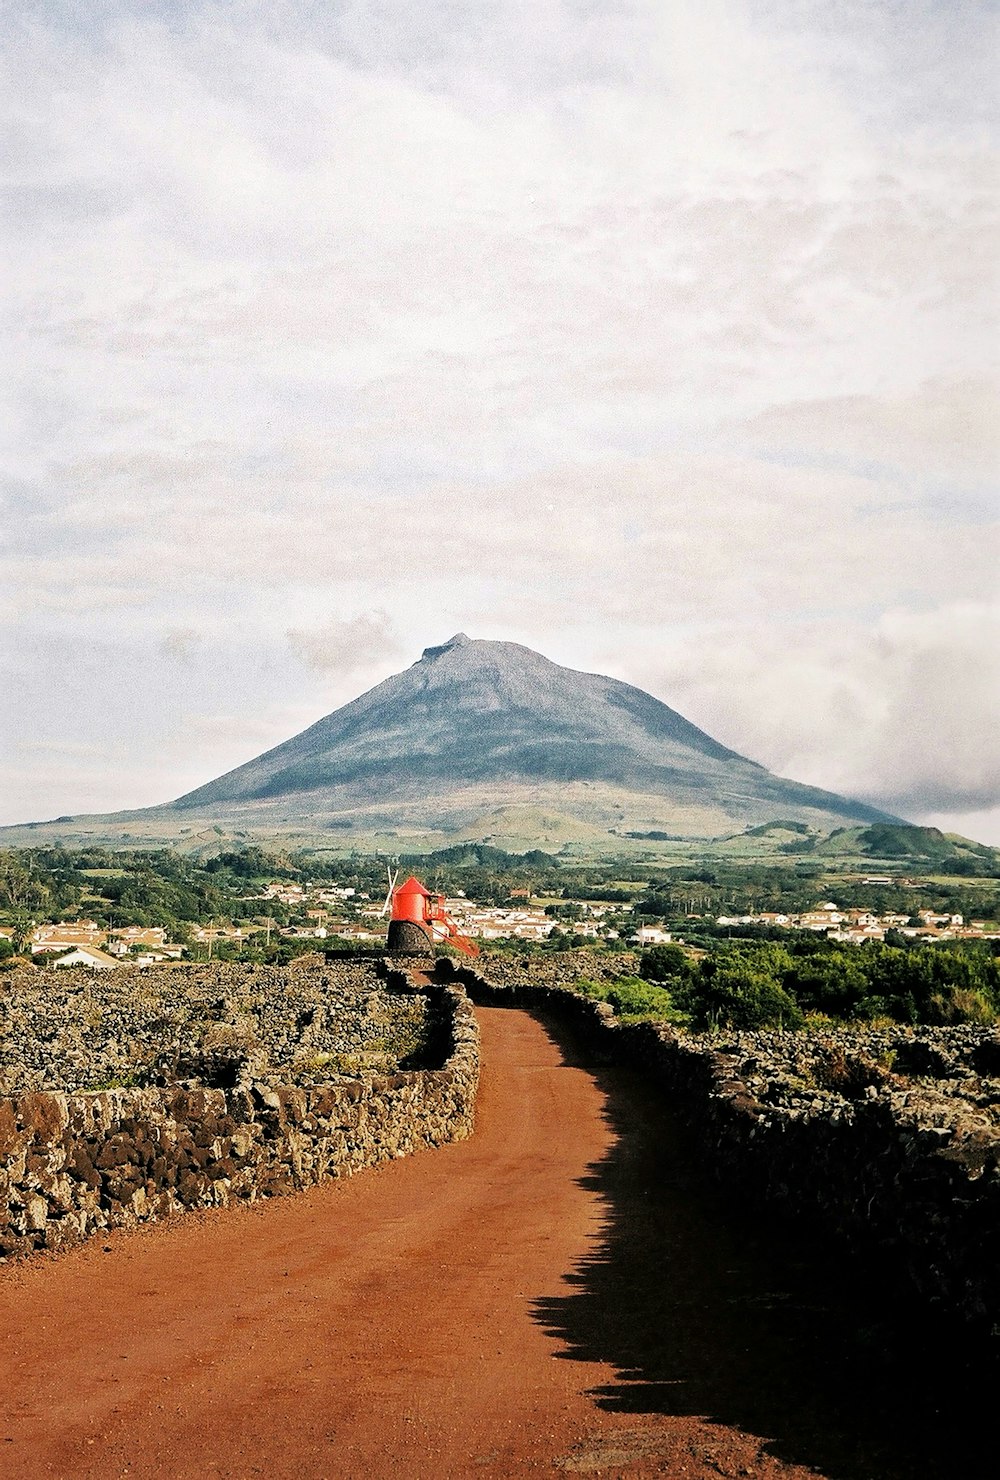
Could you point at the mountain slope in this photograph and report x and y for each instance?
(492, 740)
(474, 713)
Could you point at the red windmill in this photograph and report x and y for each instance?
(418, 923)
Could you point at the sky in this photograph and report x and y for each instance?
(657, 335)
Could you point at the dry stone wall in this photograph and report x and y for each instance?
(75, 1163)
(889, 1138)
(212, 1025)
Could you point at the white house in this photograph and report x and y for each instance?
(652, 935)
(90, 956)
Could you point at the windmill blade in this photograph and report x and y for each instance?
(388, 898)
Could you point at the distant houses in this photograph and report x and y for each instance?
(859, 925)
(69, 936)
(102, 948)
(650, 935)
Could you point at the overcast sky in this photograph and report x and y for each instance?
(655, 334)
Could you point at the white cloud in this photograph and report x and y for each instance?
(905, 712)
(945, 430)
(344, 647)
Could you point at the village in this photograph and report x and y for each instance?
(320, 915)
(325, 913)
(860, 925)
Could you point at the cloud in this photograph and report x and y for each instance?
(180, 644)
(944, 429)
(905, 712)
(344, 647)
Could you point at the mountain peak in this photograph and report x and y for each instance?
(459, 640)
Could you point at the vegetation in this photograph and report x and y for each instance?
(749, 975)
(633, 998)
(757, 984)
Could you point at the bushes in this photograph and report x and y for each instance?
(634, 999)
(665, 964)
(737, 996)
(758, 984)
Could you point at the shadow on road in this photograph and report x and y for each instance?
(704, 1308)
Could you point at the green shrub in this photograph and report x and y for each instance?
(737, 996)
(634, 1000)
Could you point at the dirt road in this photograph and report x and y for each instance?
(551, 1293)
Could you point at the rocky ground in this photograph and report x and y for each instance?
(951, 1074)
(213, 1025)
(556, 968)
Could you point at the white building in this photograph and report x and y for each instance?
(88, 956)
(652, 935)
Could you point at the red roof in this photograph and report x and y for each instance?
(412, 886)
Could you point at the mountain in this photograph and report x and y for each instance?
(492, 741)
(473, 712)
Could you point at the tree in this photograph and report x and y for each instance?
(739, 996)
(666, 963)
(18, 885)
(23, 926)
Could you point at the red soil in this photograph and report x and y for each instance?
(471, 1311)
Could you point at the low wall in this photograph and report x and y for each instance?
(72, 1165)
(905, 1173)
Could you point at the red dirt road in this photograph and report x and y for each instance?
(457, 1313)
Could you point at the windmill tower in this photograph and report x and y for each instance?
(418, 922)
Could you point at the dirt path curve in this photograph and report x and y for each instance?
(432, 1318)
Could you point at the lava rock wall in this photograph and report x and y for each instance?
(889, 1139)
(75, 1164)
(70, 1029)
